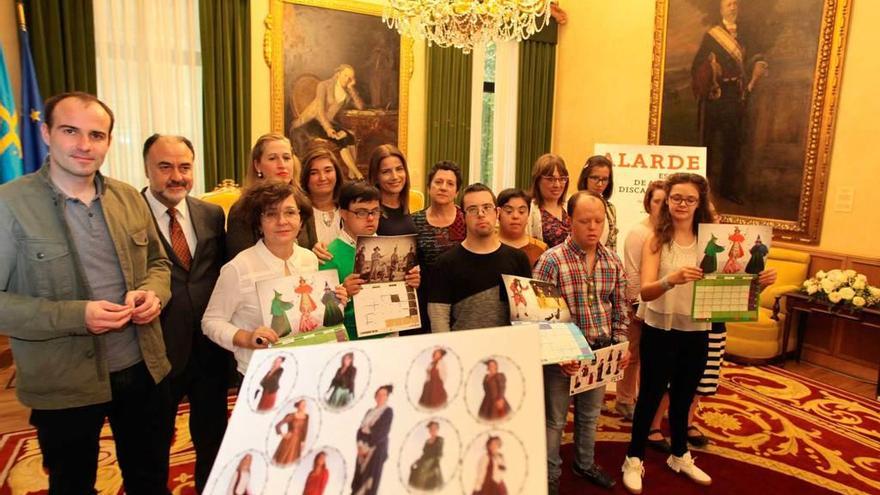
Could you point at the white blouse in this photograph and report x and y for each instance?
(234, 303)
(632, 258)
(672, 310)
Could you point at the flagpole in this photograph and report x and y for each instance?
(19, 7)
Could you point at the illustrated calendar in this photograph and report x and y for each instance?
(731, 257)
(386, 303)
(451, 413)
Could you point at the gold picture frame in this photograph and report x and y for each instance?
(773, 153)
(283, 11)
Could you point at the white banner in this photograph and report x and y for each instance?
(635, 166)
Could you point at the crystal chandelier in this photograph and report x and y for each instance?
(467, 23)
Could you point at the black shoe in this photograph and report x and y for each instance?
(698, 440)
(594, 475)
(661, 445)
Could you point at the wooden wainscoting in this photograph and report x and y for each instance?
(838, 343)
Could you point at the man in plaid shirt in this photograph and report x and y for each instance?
(593, 282)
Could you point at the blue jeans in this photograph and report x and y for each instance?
(587, 407)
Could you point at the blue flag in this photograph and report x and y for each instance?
(10, 145)
(33, 148)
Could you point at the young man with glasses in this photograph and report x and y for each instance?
(592, 280)
(466, 290)
(360, 211)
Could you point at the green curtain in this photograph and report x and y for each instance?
(534, 119)
(62, 36)
(226, 78)
(448, 107)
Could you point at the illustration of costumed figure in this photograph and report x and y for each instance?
(293, 439)
(270, 384)
(372, 445)
(425, 473)
(494, 404)
(359, 259)
(332, 313)
(317, 479)
(341, 389)
(516, 289)
(759, 253)
(491, 470)
(307, 322)
(736, 252)
(279, 309)
(709, 264)
(393, 268)
(241, 482)
(433, 391)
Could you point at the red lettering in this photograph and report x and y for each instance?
(657, 161)
(639, 162)
(693, 163)
(622, 161)
(675, 162)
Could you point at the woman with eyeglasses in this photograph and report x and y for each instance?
(597, 177)
(513, 216)
(272, 159)
(233, 318)
(389, 173)
(674, 348)
(439, 227)
(548, 221)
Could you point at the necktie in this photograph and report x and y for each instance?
(178, 240)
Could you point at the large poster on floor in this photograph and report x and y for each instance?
(635, 166)
(454, 413)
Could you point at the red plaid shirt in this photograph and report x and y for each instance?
(602, 311)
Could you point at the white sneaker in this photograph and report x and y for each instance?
(685, 464)
(633, 472)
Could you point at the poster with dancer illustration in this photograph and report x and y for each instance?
(300, 304)
(385, 304)
(353, 418)
(536, 301)
(602, 369)
(731, 257)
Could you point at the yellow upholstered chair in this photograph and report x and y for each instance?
(416, 201)
(761, 341)
(224, 195)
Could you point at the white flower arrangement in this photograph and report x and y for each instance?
(845, 287)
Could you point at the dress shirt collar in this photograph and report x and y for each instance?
(273, 262)
(160, 211)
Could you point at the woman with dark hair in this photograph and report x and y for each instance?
(548, 220)
(439, 227)
(270, 384)
(425, 473)
(321, 179)
(272, 159)
(673, 348)
(293, 436)
(342, 386)
(513, 217)
(389, 173)
(372, 444)
(597, 177)
(491, 470)
(317, 479)
(494, 405)
(233, 319)
(434, 391)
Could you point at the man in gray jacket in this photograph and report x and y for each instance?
(83, 278)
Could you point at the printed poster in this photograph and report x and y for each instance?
(451, 413)
(731, 257)
(303, 308)
(603, 369)
(536, 301)
(385, 304)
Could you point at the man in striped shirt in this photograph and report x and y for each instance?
(593, 282)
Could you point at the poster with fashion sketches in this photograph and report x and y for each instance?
(603, 369)
(731, 257)
(534, 300)
(385, 303)
(450, 413)
(300, 303)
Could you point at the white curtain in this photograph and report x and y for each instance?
(149, 68)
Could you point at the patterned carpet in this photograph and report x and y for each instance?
(772, 432)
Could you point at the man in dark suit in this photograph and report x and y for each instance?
(193, 234)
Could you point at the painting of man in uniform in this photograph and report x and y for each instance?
(341, 82)
(737, 79)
